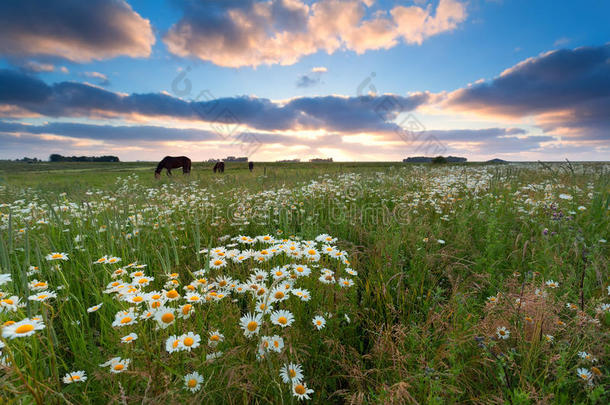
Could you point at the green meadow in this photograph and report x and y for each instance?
(433, 284)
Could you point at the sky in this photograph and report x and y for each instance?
(355, 80)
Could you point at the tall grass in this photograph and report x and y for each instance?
(430, 245)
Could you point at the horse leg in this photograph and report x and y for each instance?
(169, 172)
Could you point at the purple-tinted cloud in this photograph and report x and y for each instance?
(73, 29)
(563, 89)
(333, 113)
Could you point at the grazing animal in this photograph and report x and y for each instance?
(172, 162)
(251, 166)
(219, 167)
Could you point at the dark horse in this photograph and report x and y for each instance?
(172, 162)
(251, 166)
(219, 167)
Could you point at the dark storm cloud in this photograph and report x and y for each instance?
(109, 132)
(73, 29)
(334, 113)
(567, 88)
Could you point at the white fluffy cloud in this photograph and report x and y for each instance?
(251, 33)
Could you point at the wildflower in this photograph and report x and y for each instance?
(113, 260)
(143, 281)
(23, 328)
(502, 332)
(215, 337)
(212, 356)
(125, 318)
(42, 296)
(492, 299)
(584, 374)
(217, 263)
(129, 338)
(319, 322)
(549, 338)
(571, 306)
(345, 282)
(587, 356)
(250, 323)
(173, 344)
(165, 316)
(5, 278)
(117, 365)
(279, 294)
(172, 295)
(75, 376)
(282, 318)
(301, 391)
(101, 260)
(192, 381)
(552, 284)
(190, 341)
(38, 285)
(185, 311)
(57, 256)
(291, 373)
(9, 304)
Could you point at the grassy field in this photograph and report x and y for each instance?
(334, 283)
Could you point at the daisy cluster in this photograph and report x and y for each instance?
(269, 294)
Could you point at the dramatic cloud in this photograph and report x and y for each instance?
(109, 132)
(566, 91)
(235, 33)
(20, 92)
(73, 29)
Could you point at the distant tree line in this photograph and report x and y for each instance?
(59, 158)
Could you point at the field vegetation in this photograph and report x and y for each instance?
(359, 283)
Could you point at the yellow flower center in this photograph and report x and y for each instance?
(75, 378)
(25, 328)
(176, 343)
(40, 284)
(217, 262)
(155, 304)
(188, 341)
(311, 252)
(279, 295)
(186, 308)
(192, 383)
(127, 319)
(8, 301)
(252, 325)
(119, 367)
(282, 320)
(143, 281)
(137, 298)
(222, 283)
(56, 256)
(299, 389)
(292, 373)
(167, 317)
(172, 294)
(215, 338)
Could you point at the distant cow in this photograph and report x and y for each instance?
(219, 167)
(251, 166)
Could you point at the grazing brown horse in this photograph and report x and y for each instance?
(219, 167)
(251, 166)
(172, 162)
